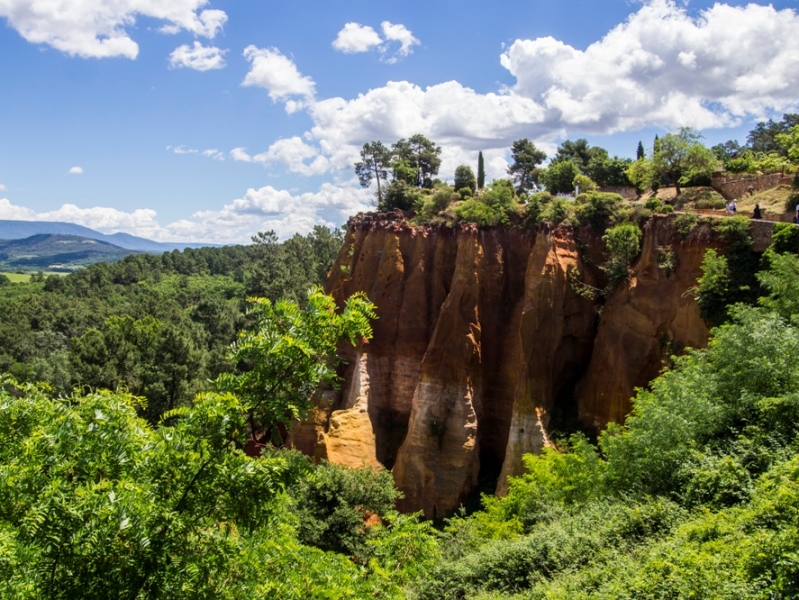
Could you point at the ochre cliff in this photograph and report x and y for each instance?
(483, 344)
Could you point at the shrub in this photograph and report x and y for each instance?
(684, 223)
(399, 195)
(334, 502)
(556, 212)
(598, 209)
(653, 203)
(623, 244)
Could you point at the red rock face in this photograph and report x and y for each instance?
(482, 345)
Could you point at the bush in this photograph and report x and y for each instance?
(556, 212)
(474, 211)
(399, 195)
(623, 244)
(334, 505)
(653, 203)
(598, 209)
(684, 223)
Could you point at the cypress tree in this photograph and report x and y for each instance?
(481, 172)
(639, 153)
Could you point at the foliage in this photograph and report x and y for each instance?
(558, 178)
(606, 171)
(524, 166)
(580, 153)
(481, 171)
(789, 141)
(622, 244)
(642, 174)
(557, 211)
(598, 209)
(289, 352)
(685, 223)
(417, 156)
(374, 166)
(584, 184)
(492, 207)
(765, 136)
(399, 195)
(464, 178)
(681, 158)
(339, 508)
(713, 287)
(97, 504)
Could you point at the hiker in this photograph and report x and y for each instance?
(734, 206)
(757, 214)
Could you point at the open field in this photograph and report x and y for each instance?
(17, 277)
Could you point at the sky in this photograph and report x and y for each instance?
(212, 120)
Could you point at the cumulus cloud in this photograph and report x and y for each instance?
(92, 29)
(293, 153)
(12, 212)
(355, 37)
(257, 210)
(197, 57)
(277, 74)
(661, 67)
(240, 155)
(75, 171)
(664, 68)
(399, 33)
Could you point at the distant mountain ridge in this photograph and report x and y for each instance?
(17, 230)
(57, 252)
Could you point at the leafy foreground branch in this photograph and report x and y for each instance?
(96, 502)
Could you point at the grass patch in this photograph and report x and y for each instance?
(17, 277)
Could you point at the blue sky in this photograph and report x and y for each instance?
(210, 120)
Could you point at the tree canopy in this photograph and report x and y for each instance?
(524, 166)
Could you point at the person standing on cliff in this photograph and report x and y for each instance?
(757, 214)
(734, 206)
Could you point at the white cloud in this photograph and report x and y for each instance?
(277, 74)
(214, 154)
(293, 153)
(12, 212)
(197, 57)
(240, 155)
(235, 223)
(75, 171)
(182, 149)
(663, 68)
(88, 28)
(399, 33)
(355, 37)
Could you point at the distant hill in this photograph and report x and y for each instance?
(56, 252)
(17, 230)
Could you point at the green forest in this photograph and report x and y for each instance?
(132, 394)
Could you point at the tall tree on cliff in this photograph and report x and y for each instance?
(464, 178)
(524, 166)
(680, 156)
(374, 165)
(481, 171)
(639, 152)
(419, 154)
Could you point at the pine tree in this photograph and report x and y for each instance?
(481, 171)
